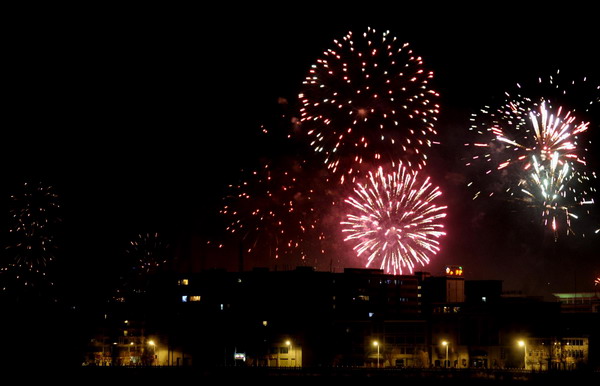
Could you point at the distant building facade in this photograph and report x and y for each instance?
(359, 317)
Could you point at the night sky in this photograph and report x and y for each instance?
(140, 118)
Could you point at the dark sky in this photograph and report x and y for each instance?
(141, 117)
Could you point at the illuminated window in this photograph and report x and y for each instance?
(283, 350)
(184, 282)
(195, 298)
(184, 298)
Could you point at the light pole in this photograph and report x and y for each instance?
(151, 343)
(522, 344)
(289, 344)
(444, 343)
(376, 343)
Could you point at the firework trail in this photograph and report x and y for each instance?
(368, 102)
(531, 149)
(394, 220)
(34, 218)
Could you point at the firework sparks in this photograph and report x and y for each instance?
(394, 220)
(34, 216)
(272, 209)
(547, 188)
(149, 252)
(531, 150)
(368, 101)
(519, 133)
(32, 245)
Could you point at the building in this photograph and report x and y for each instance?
(579, 329)
(579, 302)
(558, 353)
(359, 317)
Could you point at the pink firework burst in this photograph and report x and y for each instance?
(394, 220)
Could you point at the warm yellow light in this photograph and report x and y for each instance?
(287, 342)
(521, 343)
(151, 342)
(444, 343)
(375, 343)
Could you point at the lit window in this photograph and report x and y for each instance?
(195, 298)
(371, 314)
(184, 298)
(184, 282)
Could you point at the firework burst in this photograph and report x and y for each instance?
(394, 220)
(367, 102)
(532, 149)
(547, 188)
(271, 209)
(149, 252)
(32, 246)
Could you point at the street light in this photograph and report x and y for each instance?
(444, 343)
(289, 344)
(522, 344)
(151, 343)
(376, 343)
